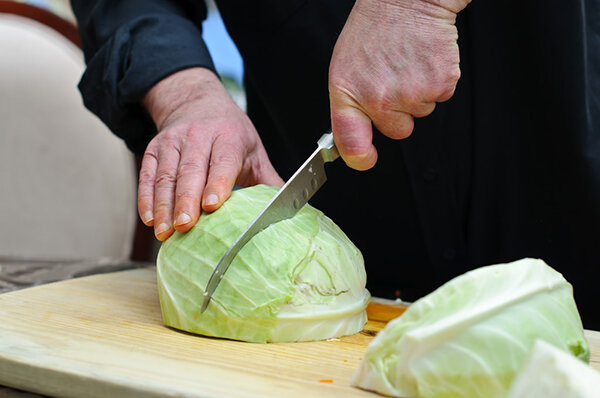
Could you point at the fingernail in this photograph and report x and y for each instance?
(147, 217)
(183, 219)
(211, 199)
(162, 227)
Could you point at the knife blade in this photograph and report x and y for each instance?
(296, 192)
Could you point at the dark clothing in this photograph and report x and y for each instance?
(508, 168)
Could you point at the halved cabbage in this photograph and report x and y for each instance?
(299, 279)
(471, 336)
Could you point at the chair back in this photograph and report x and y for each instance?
(67, 185)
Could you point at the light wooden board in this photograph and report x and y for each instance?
(102, 336)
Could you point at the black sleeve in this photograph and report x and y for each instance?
(130, 45)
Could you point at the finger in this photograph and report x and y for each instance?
(191, 177)
(164, 190)
(146, 187)
(423, 109)
(394, 124)
(225, 165)
(353, 136)
(262, 171)
(268, 176)
(448, 93)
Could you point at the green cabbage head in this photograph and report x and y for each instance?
(470, 337)
(300, 279)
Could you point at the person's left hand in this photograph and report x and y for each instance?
(204, 146)
(392, 62)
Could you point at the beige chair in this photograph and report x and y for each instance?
(67, 185)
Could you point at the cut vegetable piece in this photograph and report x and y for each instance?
(471, 336)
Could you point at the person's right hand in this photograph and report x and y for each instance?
(393, 61)
(205, 145)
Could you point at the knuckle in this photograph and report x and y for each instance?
(413, 97)
(149, 160)
(195, 131)
(146, 176)
(167, 141)
(337, 81)
(190, 169)
(342, 93)
(225, 159)
(450, 80)
(145, 196)
(229, 127)
(165, 177)
(446, 95)
(454, 74)
(162, 209)
(168, 134)
(397, 98)
(151, 148)
(447, 92)
(398, 127)
(187, 196)
(187, 201)
(218, 181)
(440, 88)
(150, 152)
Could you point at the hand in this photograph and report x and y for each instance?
(392, 62)
(205, 145)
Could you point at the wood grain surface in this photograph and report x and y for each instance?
(102, 336)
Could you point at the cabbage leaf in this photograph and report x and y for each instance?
(553, 373)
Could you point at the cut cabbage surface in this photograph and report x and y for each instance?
(470, 337)
(300, 279)
(553, 373)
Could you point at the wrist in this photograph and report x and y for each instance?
(454, 6)
(176, 89)
(389, 12)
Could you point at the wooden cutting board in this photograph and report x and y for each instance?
(102, 336)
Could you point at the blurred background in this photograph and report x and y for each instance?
(225, 55)
(55, 208)
(58, 7)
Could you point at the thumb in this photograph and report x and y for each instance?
(353, 136)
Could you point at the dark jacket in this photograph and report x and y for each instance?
(508, 168)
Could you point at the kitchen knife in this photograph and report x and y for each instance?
(285, 204)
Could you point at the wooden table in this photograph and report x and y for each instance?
(103, 336)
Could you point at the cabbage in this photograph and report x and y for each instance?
(553, 373)
(299, 279)
(471, 336)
